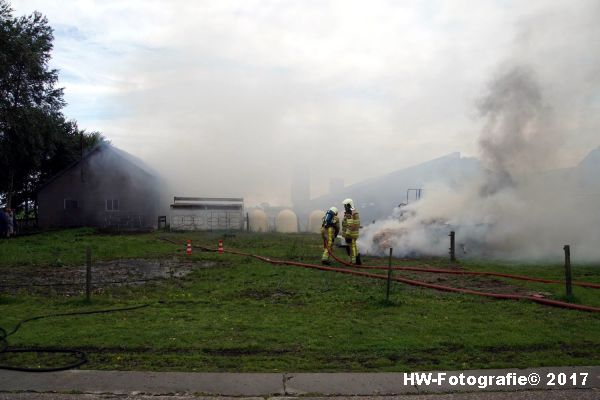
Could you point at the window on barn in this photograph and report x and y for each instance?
(71, 204)
(112, 205)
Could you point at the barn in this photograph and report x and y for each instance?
(108, 188)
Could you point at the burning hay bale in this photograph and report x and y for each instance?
(384, 239)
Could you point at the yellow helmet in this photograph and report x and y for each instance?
(334, 210)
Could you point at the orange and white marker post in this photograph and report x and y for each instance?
(220, 246)
(188, 250)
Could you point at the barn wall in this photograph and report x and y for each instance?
(101, 176)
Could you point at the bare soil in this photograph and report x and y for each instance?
(64, 280)
(473, 282)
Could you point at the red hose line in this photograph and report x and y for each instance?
(455, 272)
(450, 271)
(412, 282)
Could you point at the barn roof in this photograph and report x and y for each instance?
(591, 160)
(104, 146)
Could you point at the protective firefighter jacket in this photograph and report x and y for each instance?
(350, 225)
(330, 220)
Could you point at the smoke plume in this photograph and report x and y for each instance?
(517, 137)
(516, 209)
(525, 204)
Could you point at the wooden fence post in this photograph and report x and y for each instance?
(568, 278)
(88, 273)
(452, 248)
(389, 277)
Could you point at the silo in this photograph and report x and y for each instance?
(258, 221)
(315, 220)
(286, 222)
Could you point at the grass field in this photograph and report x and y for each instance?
(240, 314)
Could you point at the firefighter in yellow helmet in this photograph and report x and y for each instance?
(329, 230)
(350, 227)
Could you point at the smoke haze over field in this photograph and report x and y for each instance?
(517, 208)
(231, 98)
(226, 97)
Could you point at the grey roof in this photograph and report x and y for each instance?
(103, 146)
(591, 160)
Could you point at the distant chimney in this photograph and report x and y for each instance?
(336, 185)
(300, 187)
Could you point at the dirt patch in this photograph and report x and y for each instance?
(241, 351)
(480, 283)
(273, 294)
(474, 282)
(71, 280)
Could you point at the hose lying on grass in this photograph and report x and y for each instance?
(80, 356)
(555, 303)
(462, 272)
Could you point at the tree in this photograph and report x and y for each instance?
(35, 138)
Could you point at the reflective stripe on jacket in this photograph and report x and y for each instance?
(351, 225)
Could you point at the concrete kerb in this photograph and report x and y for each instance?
(286, 384)
(156, 383)
(380, 384)
(348, 384)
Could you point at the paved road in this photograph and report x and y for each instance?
(551, 383)
(579, 394)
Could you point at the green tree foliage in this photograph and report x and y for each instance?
(36, 140)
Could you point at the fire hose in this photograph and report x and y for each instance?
(555, 303)
(79, 356)
(461, 272)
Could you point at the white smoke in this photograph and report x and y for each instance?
(516, 209)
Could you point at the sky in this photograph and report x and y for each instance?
(228, 98)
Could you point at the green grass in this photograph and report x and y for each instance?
(67, 247)
(584, 273)
(245, 315)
